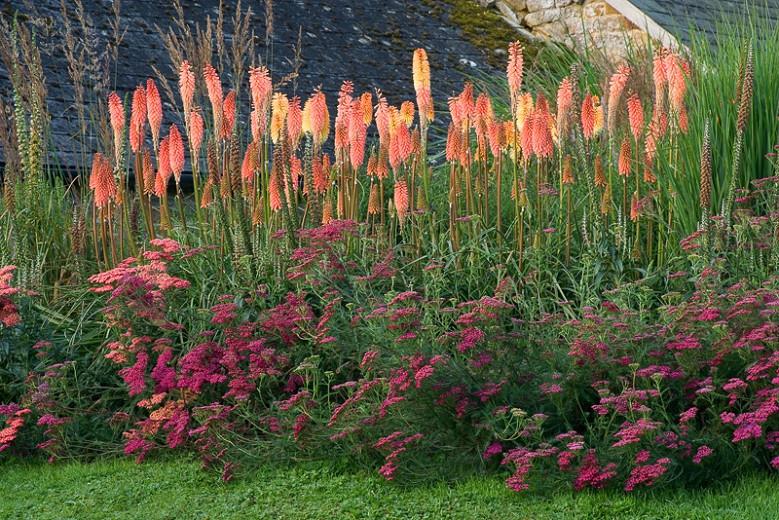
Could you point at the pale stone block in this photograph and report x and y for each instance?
(594, 8)
(572, 17)
(602, 24)
(508, 13)
(539, 5)
(554, 30)
(541, 17)
(516, 5)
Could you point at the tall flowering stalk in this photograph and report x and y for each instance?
(514, 75)
(137, 134)
(103, 186)
(742, 117)
(563, 155)
(421, 77)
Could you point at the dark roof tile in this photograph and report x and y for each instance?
(369, 42)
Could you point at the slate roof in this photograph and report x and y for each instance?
(367, 41)
(676, 16)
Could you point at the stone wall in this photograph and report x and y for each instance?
(573, 22)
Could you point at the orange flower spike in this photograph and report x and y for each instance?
(525, 108)
(137, 119)
(649, 176)
(568, 177)
(327, 213)
(484, 112)
(148, 173)
(616, 86)
(208, 191)
(326, 165)
(684, 122)
(214, 89)
(116, 112)
(278, 118)
(176, 152)
(366, 105)
(295, 171)
(650, 141)
(160, 184)
(421, 70)
(261, 89)
(101, 180)
(383, 122)
(163, 165)
(526, 136)
(659, 76)
(453, 143)
(635, 116)
(196, 130)
(467, 105)
(342, 117)
(401, 199)
(186, 86)
(401, 146)
(370, 169)
(249, 164)
(357, 135)
(455, 111)
(635, 208)
(514, 69)
(382, 170)
(496, 137)
(600, 176)
(319, 118)
(257, 124)
(564, 104)
(421, 74)
(552, 124)
(154, 110)
(625, 158)
(294, 122)
(543, 145)
(319, 176)
(228, 115)
(407, 113)
(588, 117)
(425, 105)
(598, 127)
(677, 82)
(274, 191)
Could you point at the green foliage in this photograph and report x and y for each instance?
(714, 94)
(178, 489)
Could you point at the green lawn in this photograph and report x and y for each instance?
(179, 490)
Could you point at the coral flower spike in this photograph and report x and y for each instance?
(514, 69)
(176, 153)
(564, 104)
(421, 74)
(186, 85)
(116, 111)
(137, 119)
(101, 181)
(588, 117)
(154, 111)
(635, 116)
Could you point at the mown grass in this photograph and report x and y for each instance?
(179, 489)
